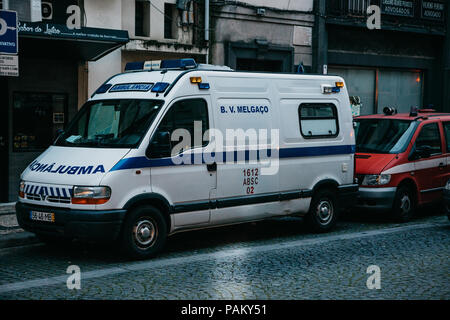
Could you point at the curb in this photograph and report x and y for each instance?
(17, 239)
(7, 208)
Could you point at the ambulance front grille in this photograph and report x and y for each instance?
(58, 199)
(34, 197)
(37, 197)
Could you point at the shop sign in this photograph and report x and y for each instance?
(403, 8)
(8, 32)
(9, 65)
(433, 10)
(61, 31)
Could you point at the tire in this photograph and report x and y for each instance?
(323, 211)
(404, 204)
(144, 232)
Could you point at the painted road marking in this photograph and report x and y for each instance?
(166, 262)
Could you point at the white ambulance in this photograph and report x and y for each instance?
(174, 145)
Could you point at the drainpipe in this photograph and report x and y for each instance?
(207, 29)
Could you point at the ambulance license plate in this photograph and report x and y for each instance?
(42, 216)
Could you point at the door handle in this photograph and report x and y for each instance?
(211, 167)
(442, 165)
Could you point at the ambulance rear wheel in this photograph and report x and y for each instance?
(322, 215)
(404, 204)
(144, 232)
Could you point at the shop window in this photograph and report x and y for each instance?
(36, 119)
(142, 19)
(429, 137)
(318, 120)
(170, 25)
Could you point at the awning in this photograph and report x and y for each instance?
(57, 41)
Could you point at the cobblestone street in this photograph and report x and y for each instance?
(274, 259)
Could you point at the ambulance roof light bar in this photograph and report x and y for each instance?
(178, 64)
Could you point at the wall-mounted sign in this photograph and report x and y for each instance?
(61, 31)
(403, 8)
(433, 10)
(8, 32)
(9, 65)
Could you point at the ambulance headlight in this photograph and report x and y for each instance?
(376, 179)
(22, 189)
(90, 195)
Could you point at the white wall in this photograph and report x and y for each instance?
(104, 14)
(102, 69)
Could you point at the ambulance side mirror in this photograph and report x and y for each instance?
(159, 146)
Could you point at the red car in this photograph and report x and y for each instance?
(402, 160)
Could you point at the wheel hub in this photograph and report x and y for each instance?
(144, 232)
(405, 203)
(324, 211)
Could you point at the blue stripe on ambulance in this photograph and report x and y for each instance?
(144, 162)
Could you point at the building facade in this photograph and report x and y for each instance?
(59, 67)
(158, 29)
(55, 46)
(403, 64)
(262, 35)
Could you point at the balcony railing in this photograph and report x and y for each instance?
(415, 12)
(352, 7)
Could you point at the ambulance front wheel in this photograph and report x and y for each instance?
(144, 232)
(322, 215)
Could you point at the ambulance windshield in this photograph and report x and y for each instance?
(110, 124)
(383, 135)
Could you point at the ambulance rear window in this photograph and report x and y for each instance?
(318, 120)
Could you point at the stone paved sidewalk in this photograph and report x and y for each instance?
(11, 235)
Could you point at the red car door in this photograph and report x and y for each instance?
(430, 162)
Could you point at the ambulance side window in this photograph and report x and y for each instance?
(318, 120)
(447, 135)
(191, 115)
(429, 138)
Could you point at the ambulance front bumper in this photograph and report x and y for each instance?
(98, 225)
(376, 198)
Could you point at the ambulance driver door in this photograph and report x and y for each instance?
(178, 172)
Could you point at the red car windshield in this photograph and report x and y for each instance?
(383, 135)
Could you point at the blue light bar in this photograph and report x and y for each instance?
(103, 88)
(134, 66)
(160, 87)
(203, 86)
(336, 90)
(178, 64)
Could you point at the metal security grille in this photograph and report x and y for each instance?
(357, 7)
